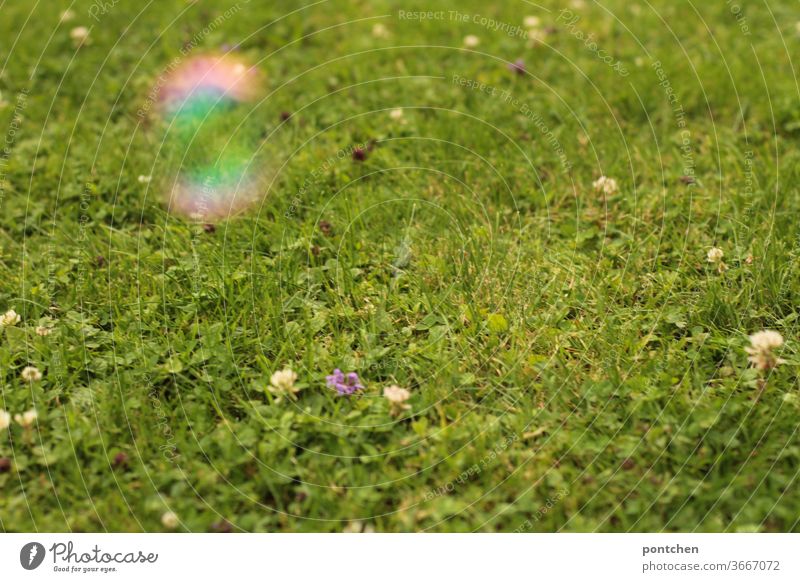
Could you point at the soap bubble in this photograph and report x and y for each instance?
(208, 81)
(202, 100)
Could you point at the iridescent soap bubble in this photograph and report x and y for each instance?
(208, 81)
(215, 192)
(204, 100)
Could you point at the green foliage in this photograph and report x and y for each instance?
(561, 345)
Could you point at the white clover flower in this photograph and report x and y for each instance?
(31, 374)
(471, 41)
(5, 419)
(606, 185)
(9, 318)
(79, 34)
(761, 349)
(396, 114)
(170, 520)
(282, 382)
(536, 35)
(27, 418)
(380, 31)
(532, 22)
(358, 527)
(397, 397)
(766, 340)
(714, 255)
(144, 179)
(43, 331)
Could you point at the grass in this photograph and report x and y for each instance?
(575, 363)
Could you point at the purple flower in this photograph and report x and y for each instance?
(359, 154)
(344, 383)
(517, 66)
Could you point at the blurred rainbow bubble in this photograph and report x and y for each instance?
(196, 96)
(208, 80)
(214, 192)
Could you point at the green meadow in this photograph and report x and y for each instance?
(551, 227)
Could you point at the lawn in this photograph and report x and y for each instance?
(427, 209)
